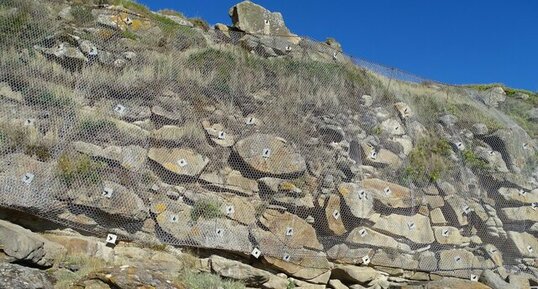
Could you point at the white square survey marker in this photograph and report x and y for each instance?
(28, 178)
(474, 278)
(111, 239)
(107, 192)
(286, 257)
(256, 253)
(29, 121)
(221, 135)
(387, 191)
(289, 231)
(230, 210)
(266, 153)
(363, 232)
(366, 260)
(182, 162)
(119, 109)
(336, 214)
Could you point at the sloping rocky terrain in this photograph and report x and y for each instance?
(283, 161)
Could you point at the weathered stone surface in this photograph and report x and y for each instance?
(399, 260)
(392, 127)
(518, 196)
(416, 228)
(279, 224)
(23, 178)
(337, 284)
(180, 161)
(173, 218)
(23, 245)
(379, 157)
(365, 236)
(130, 157)
(354, 274)
(170, 133)
(359, 201)
(512, 140)
(231, 180)
(8, 93)
(459, 207)
(495, 281)
(113, 199)
(427, 261)
(341, 253)
(129, 277)
(451, 283)
(270, 155)
(525, 244)
(404, 111)
(391, 195)
(254, 19)
(221, 234)
(334, 216)
(447, 235)
(16, 276)
(249, 275)
(493, 158)
(65, 51)
(493, 96)
(457, 259)
(218, 134)
(243, 210)
(520, 214)
(437, 217)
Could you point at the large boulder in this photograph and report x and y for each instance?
(184, 162)
(364, 236)
(270, 155)
(359, 201)
(17, 276)
(25, 246)
(130, 157)
(416, 228)
(391, 195)
(290, 230)
(254, 19)
(524, 243)
(220, 233)
(112, 199)
(236, 270)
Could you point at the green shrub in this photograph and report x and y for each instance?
(207, 209)
(473, 161)
(200, 23)
(193, 280)
(428, 161)
(40, 151)
(92, 127)
(79, 168)
(47, 99)
(25, 25)
(82, 14)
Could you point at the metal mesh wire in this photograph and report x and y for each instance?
(305, 157)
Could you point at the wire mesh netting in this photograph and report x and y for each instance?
(280, 147)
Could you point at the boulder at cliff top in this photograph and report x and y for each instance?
(270, 155)
(255, 19)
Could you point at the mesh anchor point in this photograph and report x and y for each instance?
(29, 122)
(336, 214)
(266, 153)
(289, 231)
(119, 109)
(111, 239)
(182, 162)
(28, 178)
(221, 135)
(107, 192)
(256, 253)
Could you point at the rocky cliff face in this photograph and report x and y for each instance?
(248, 139)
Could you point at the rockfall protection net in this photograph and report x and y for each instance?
(304, 158)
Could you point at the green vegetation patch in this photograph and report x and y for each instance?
(207, 209)
(194, 280)
(82, 14)
(473, 161)
(428, 161)
(73, 167)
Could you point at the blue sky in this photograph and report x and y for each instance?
(456, 41)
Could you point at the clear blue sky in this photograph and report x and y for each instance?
(456, 41)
